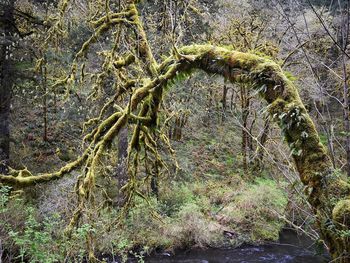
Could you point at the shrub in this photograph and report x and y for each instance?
(45, 241)
(191, 227)
(36, 242)
(255, 210)
(172, 198)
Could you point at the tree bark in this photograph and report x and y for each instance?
(6, 82)
(224, 102)
(261, 145)
(346, 112)
(245, 102)
(43, 73)
(346, 106)
(122, 170)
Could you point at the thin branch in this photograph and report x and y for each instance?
(327, 30)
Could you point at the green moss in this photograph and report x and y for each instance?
(341, 212)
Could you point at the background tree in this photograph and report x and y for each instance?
(8, 28)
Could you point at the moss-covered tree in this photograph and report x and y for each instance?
(327, 192)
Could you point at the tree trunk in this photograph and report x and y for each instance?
(154, 179)
(244, 97)
(177, 134)
(346, 111)
(224, 102)
(122, 170)
(346, 106)
(43, 72)
(6, 82)
(260, 148)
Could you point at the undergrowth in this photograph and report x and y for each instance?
(186, 215)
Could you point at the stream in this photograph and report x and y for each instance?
(291, 247)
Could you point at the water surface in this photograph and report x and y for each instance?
(291, 248)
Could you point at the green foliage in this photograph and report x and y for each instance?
(196, 213)
(255, 210)
(45, 241)
(4, 197)
(180, 77)
(122, 246)
(172, 200)
(36, 242)
(323, 138)
(230, 161)
(144, 218)
(191, 227)
(345, 233)
(290, 75)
